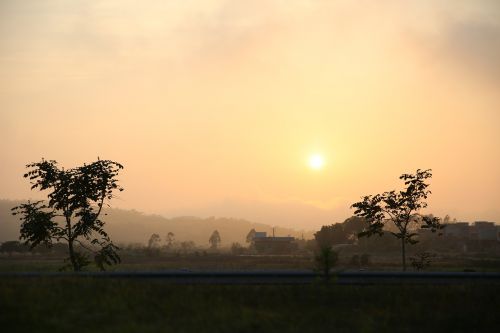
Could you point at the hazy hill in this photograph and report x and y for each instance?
(130, 226)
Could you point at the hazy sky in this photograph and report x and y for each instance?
(215, 106)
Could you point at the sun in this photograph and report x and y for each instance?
(316, 161)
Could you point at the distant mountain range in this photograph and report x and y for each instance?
(130, 226)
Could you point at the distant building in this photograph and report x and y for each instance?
(259, 234)
(457, 230)
(483, 230)
(273, 245)
(479, 230)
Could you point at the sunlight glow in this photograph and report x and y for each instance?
(316, 161)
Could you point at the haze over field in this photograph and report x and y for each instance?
(215, 107)
(130, 226)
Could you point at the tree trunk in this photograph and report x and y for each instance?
(403, 253)
(72, 257)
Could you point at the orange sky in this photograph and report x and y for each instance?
(215, 106)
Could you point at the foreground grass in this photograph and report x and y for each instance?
(119, 305)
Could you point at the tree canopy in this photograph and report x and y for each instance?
(250, 236)
(154, 241)
(72, 212)
(340, 233)
(401, 208)
(214, 239)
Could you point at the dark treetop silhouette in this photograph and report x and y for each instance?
(401, 208)
(75, 201)
(214, 239)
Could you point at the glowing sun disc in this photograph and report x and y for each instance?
(316, 161)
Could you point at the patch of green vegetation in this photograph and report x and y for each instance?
(121, 305)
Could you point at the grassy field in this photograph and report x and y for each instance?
(96, 305)
(145, 263)
(391, 262)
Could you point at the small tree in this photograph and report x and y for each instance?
(325, 259)
(153, 245)
(75, 201)
(187, 246)
(250, 236)
(422, 260)
(400, 208)
(169, 239)
(237, 249)
(214, 240)
(329, 235)
(340, 233)
(154, 241)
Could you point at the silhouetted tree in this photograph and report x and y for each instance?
(154, 241)
(237, 249)
(75, 201)
(325, 259)
(153, 245)
(447, 219)
(422, 260)
(352, 227)
(329, 235)
(169, 239)
(13, 246)
(250, 236)
(340, 233)
(214, 240)
(402, 209)
(187, 246)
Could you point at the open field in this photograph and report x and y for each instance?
(87, 304)
(213, 262)
(158, 263)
